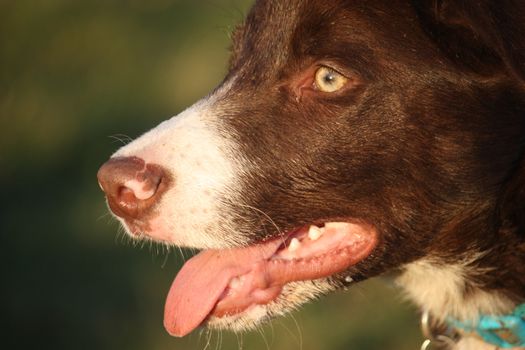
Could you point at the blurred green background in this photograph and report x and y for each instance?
(75, 78)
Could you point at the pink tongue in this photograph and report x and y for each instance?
(202, 280)
(205, 279)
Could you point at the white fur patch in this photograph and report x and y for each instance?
(440, 289)
(203, 167)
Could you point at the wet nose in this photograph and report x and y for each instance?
(132, 187)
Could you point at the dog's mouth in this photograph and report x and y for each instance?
(228, 282)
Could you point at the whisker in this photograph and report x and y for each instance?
(167, 252)
(240, 339)
(122, 138)
(299, 331)
(218, 345)
(209, 335)
(272, 332)
(260, 330)
(291, 333)
(268, 218)
(104, 216)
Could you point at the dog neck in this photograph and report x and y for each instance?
(446, 291)
(450, 291)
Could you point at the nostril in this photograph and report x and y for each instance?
(144, 186)
(131, 186)
(127, 198)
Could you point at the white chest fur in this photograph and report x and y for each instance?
(441, 290)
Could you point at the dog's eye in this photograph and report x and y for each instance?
(329, 80)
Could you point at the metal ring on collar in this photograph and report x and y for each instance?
(431, 337)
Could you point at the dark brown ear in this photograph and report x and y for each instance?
(484, 35)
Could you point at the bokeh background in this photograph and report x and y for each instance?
(77, 79)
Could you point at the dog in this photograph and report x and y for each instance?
(349, 139)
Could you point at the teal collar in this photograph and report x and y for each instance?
(506, 331)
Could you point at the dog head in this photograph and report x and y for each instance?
(348, 139)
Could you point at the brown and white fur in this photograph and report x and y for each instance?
(426, 143)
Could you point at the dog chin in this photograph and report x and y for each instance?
(293, 295)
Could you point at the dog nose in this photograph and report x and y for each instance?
(132, 187)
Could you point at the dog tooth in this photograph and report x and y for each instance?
(349, 279)
(294, 245)
(336, 225)
(314, 232)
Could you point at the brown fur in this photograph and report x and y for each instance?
(427, 146)
(425, 142)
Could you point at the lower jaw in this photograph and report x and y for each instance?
(341, 260)
(254, 277)
(292, 296)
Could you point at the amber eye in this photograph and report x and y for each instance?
(329, 80)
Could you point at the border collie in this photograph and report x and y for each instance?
(349, 138)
